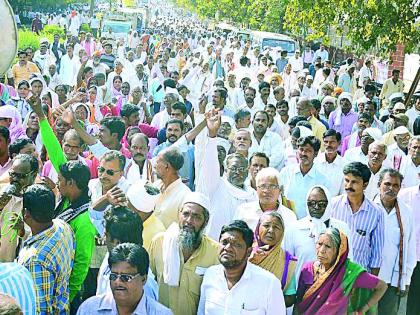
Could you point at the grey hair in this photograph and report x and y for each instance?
(276, 215)
(414, 138)
(269, 172)
(379, 144)
(392, 172)
(334, 235)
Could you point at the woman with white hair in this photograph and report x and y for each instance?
(269, 190)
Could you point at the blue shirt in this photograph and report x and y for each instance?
(105, 304)
(281, 64)
(366, 227)
(17, 282)
(296, 186)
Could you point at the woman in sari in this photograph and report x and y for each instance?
(268, 254)
(31, 126)
(333, 284)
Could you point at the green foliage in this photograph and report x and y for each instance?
(50, 30)
(366, 24)
(28, 39)
(86, 28)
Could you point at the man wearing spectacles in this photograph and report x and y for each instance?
(269, 199)
(129, 266)
(22, 174)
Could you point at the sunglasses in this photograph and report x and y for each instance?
(19, 175)
(124, 277)
(317, 204)
(102, 170)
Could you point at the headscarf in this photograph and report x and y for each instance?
(316, 226)
(329, 294)
(276, 260)
(278, 77)
(38, 141)
(16, 129)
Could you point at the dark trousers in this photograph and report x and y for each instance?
(75, 304)
(388, 305)
(90, 284)
(413, 300)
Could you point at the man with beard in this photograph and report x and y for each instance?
(180, 256)
(400, 239)
(225, 193)
(242, 142)
(96, 64)
(297, 179)
(266, 141)
(377, 154)
(365, 220)
(230, 287)
(399, 149)
(343, 118)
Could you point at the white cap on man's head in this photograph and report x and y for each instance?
(198, 198)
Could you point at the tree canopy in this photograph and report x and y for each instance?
(366, 24)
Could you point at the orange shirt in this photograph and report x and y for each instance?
(23, 73)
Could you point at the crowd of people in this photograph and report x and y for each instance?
(185, 171)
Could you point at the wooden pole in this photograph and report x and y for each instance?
(412, 88)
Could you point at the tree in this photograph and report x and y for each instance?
(366, 24)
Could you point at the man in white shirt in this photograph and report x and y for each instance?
(399, 223)
(377, 153)
(69, 66)
(297, 179)
(410, 164)
(160, 119)
(330, 162)
(365, 73)
(108, 188)
(360, 154)
(229, 288)
(297, 62)
(225, 193)
(266, 141)
(269, 189)
(399, 149)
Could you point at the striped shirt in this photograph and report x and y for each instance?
(17, 282)
(49, 258)
(366, 227)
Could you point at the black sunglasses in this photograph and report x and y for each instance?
(123, 277)
(109, 172)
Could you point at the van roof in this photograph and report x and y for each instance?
(272, 35)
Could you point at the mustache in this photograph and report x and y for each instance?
(350, 190)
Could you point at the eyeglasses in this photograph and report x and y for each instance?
(124, 277)
(237, 169)
(18, 175)
(268, 187)
(317, 204)
(102, 170)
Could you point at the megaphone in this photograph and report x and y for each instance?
(8, 36)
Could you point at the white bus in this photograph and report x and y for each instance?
(275, 41)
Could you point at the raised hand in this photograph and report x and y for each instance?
(35, 103)
(213, 121)
(68, 116)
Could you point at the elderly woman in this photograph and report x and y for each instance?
(268, 254)
(332, 284)
(300, 240)
(269, 190)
